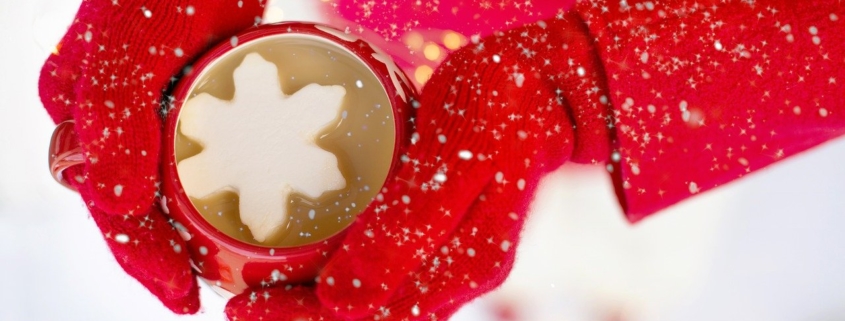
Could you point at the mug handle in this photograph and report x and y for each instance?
(64, 152)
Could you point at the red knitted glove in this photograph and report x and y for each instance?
(778, 61)
(702, 93)
(108, 75)
(492, 121)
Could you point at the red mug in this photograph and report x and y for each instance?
(223, 261)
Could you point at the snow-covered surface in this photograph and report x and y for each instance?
(767, 248)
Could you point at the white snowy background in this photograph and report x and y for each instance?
(769, 247)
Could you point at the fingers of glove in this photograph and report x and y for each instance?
(296, 303)
(127, 54)
(573, 64)
(474, 260)
(474, 117)
(149, 249)
(392, 237)
(447, 164)
(479, 255)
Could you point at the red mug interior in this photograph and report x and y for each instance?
(232, 262)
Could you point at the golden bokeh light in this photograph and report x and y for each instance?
(432, 52)
(453, 40)
(422, 74)
(414, 41)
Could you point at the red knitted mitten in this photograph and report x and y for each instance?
(702, 93)
(493, 120)
(108, 75)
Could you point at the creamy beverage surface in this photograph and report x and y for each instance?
(284, 140)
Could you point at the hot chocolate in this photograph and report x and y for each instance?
(330, 172)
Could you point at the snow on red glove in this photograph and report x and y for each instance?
(492, 121)
(108, 75)
(705, 92)
(702, 93)
(684, 79)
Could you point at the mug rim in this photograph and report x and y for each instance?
(187, 83)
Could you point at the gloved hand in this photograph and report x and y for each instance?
(496, 117)
(685, 96)
(108, 75)
(695, 97)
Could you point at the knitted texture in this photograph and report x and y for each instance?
(706, 92)
(677, 97)
(689, 84)
(444, 230)
(108, 75)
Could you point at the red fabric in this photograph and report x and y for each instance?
(734, 85)
(428, 247)
(394, 26)
(466, 17)
(748, 123)
(706, 92)
(108, 75)
(148, 250)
